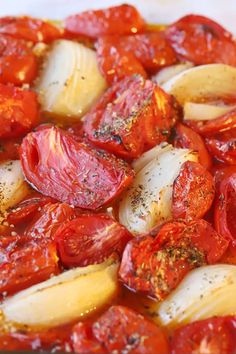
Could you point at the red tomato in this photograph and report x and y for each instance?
(122, 19)
(90, 239)
(223, 146)
(187, 138)
(225, 207)
(18, 64)
(120, 330)
(155, 266)
(25, 263)
(131, 117)
(193, 191)
(213, 126)
(216, 335)
(221, 171)
(30, 29)
(18, 111)
(115, 63)
(71, 171)
(9, 150)
(202, 41)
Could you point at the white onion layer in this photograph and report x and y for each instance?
(167, 73)
(204, 111)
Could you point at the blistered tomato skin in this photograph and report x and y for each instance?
(202, 41)
(18, 111)
(90, 239)
(155, 266)
(223, 146)
(120, 330)
(70, 171)
(131, 117)
(118, 20)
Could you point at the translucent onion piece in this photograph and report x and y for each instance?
(203, 82)
(13, 187)
(147, 203)
(205, 292)
(69, 296)
(167, 73)
(70, 81)
(203, 111)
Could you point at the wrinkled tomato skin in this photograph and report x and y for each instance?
(70, 171)
(223, 146)
(131, 117)
(216, 335)
(193, 191)
(120, 330)
(118, 20)
(29, 29)
(202, 41)
(18, 64)
(155, 266)
(18, 111)
(90, 239)
(25, 263)
(185, 137)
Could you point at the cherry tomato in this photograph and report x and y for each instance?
(29, 29)
(225, 207)
(115, 63)
(221, 171)
(25, 263)
(155, 266)
(223, 146)
(18, 64)
(216, 335)
(202, 41)
(18, 111)
(131, 117)
(71, 171)
(120, 330)
(90, 239)
(193, 191)
(187, 138)
(122, 19)
(9, 149)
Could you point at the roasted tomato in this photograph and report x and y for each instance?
(155, 266)
(223, 146)
(123, 19)
(202, 41)
(120, 330)
(187, 138)
(18, 64)
(131, 117)
(30, 29)
(18, 111)
(193, 191)
(53, 340)
(9, 149)
(225, 207)
(71, 171)
(90, 239)
(215, 335)
(24, 263)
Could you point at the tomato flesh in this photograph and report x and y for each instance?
(223, 146)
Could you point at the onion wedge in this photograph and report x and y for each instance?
(167, 73)
(204, 111)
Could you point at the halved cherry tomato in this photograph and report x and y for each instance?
(115, 63)
(120, 330)
(29, 29)
(225, 207)
(155, 266)
(25, 263)
(223, 146)
(9, 149)
(71, 171)
(202, 41)
(122, 19)
(90, 239)
(18, 64)
(18, 111)
(221, 171)
(216, 335)
(131, 117)
(193, 191)
(187, 138)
